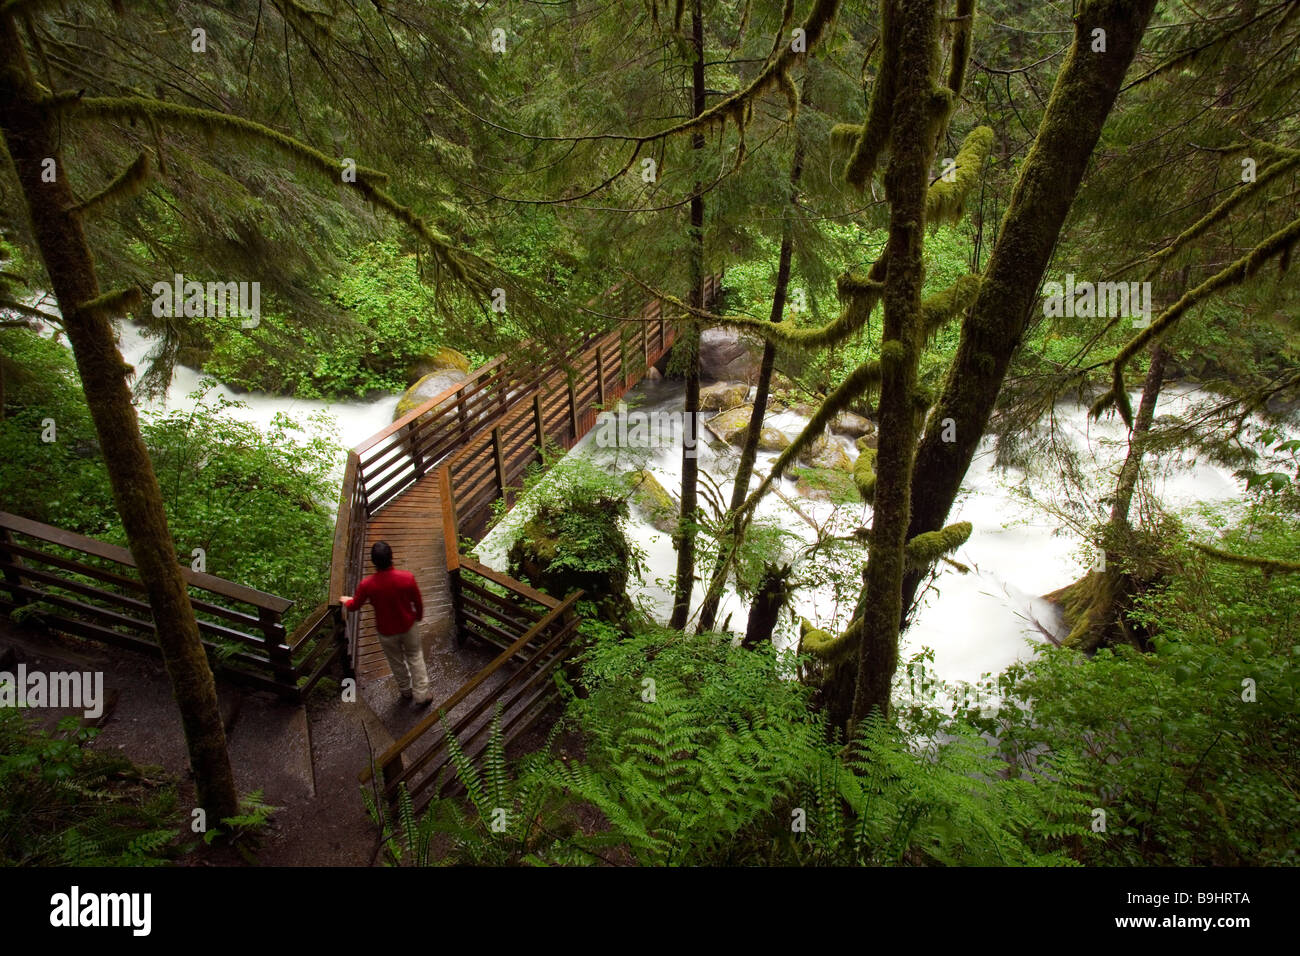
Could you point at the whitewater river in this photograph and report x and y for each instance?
(976, 623)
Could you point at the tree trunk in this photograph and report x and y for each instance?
(749, 449)
(686, 525)
(764, 611)
(1084, 94)
(915, 119)
(32, 136)
(1097, 603)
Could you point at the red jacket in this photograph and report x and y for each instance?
(395, 597)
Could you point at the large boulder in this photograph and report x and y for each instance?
(826, 453)
(652, 501)
(578, 544)
(727, 356)
(430, 386)
(732, 424)
(723, 396)
(443, 360)
(822, 484)
(770, 439)
(852, 425)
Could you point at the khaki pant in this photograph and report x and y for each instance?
(406, 658)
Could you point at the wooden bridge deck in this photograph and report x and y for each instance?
(412, 525)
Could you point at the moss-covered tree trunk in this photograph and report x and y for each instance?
(749, 449)
(1085, 92)
(917, 110)
(1096, 604)
(33, 138)
(684, 584)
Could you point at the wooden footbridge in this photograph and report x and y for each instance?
(428, 484)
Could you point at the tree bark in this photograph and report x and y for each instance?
(916, 114)
(32, 136)
(749, 449)
(1099, 601)
(765, 610)
(684, 584)
(1084, 94)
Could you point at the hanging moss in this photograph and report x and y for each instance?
(963, 24)
(115, 303)
(927, 548)
(859, 294)
(127, 184)
(942, 307)
(873, 141)
(864, 474)
(946, 201)
(844, 136)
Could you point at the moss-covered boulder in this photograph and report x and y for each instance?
(723, 396)
(731, 425)
(826, 484)
(772, 439)
(430, 386)
(443, 360)
(578, 544)
(826, 453)
(653, 502)
(868, 442)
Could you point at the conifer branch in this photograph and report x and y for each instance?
(114, 303)
(127, 184)
(463, 268)
(1280, 243)
(1233, 200)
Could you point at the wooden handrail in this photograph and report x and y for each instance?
(416, 732)
(111, 552)
(419, 410)
(496, 577)
(343, 529)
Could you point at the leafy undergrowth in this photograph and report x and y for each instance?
(64, 804)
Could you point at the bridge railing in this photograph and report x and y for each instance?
(486, 430)
(90, 588)
(519, 682)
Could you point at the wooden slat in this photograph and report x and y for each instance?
(111, 552)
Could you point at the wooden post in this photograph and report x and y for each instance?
(645, 344)
(573, 411)
(501, 461)
(661, 328)
(277, 652)
(537, 421)
(11, 563)
(600, 374)
(622, 354)
(417, 459)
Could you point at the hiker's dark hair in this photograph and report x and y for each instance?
(382, 555)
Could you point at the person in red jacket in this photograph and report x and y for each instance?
(395, 596)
